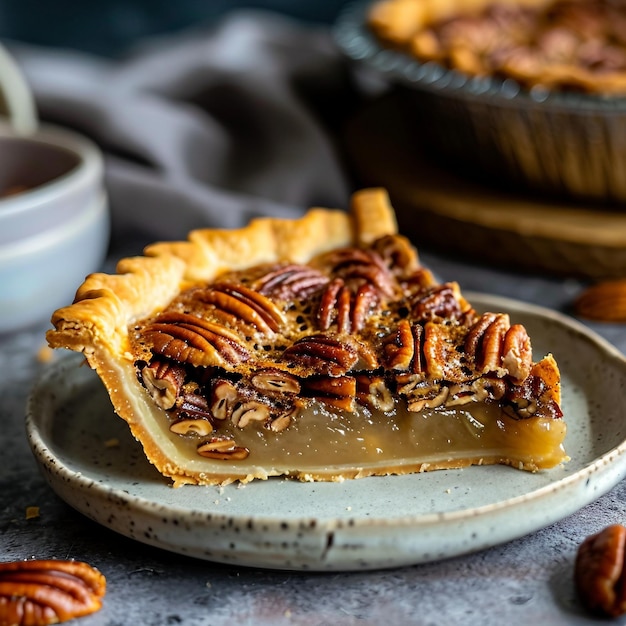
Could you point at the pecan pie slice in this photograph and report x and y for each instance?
(317, 348)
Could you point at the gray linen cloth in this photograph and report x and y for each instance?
(205, 128)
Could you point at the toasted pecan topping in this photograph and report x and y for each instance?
(321, 354)
(187, 338)
(247, 305)
(288, 282)
(357, 266)
(357, 326)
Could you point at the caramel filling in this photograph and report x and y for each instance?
(321, 441)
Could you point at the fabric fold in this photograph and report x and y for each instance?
(211, 127)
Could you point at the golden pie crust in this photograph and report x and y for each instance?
(318, 348)
(561, 45)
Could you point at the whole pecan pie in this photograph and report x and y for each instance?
(317, 348)
(563, 45)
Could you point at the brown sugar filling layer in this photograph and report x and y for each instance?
(322, 441)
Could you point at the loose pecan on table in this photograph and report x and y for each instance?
(599, 573)
(42, 592)
(603, 302)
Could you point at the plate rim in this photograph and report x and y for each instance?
(44, 454)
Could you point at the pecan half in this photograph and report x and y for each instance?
(357, 266)
(398, 254)
(274, 380)
(485, 340)
(426, 395)
(247, 305)
(603, 302)
(42, 592)
(283, 420)
(339, 392)
(224, 396)
(477, 390)
(402, 350)
(250, 411)
(322, 354)
(439, 302)
(517, 353)
(199, 426)
(436, 348)
(330, 302)
(348, 310)
(365, 302)
(289, 282)
(372, 391)
(490, 359)
(186, 338)
(599, 571)
(193, 405)
(163, 381)
(222, 449)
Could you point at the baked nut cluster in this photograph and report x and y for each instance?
(364, 326)
(564, 45)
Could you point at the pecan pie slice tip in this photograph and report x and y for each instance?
(316, 348)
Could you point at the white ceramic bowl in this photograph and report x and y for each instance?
(56, 231)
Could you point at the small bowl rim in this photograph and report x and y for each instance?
(89, 168)
(94, 210)
(359, 43)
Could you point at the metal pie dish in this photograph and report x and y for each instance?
(561, 144)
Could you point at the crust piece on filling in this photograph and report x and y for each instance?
(318, 348)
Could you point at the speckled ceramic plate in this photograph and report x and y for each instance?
(91, 461)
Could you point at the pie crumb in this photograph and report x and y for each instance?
(45, 354)
(112, 443)
(32, 512)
